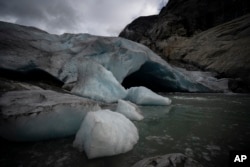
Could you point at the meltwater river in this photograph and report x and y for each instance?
(203, 126)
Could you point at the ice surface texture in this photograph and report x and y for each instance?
(32, 115)
(105, 133)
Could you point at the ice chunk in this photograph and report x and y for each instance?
(96, 82)
(105, 133)
(130, 110)
(33, 115)
(143, 96)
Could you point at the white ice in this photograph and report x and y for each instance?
(105, 133)
(130, 110)
(143, 96)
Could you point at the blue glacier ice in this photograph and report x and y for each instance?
(96, 82)
(144, 96)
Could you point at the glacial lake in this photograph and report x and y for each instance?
(203, 126)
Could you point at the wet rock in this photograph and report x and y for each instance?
(168, 160)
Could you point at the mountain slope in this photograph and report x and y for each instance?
(198, 34)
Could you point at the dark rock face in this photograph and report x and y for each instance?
(223, 49)
(204, 14)
(184, 18)
(183, 34)
(138, 29)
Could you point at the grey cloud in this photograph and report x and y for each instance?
(100, 17)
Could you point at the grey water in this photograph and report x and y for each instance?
(203, 126)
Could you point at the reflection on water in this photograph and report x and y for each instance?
(202, 126)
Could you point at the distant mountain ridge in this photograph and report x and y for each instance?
(191, 16)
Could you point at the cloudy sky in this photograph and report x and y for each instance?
(99, 17)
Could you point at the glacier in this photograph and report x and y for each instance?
(33, 115)
(129, 110)
(105, 133)
(120, 62)
(94, 71)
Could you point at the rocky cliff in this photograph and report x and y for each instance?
(217, 44)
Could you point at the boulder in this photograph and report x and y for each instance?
(168, 160)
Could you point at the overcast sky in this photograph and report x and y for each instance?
(99, 17)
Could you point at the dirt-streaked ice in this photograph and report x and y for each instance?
(33, 115)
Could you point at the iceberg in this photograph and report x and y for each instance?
(33, 115)
(105, 133)
(144, 96)
(130, 110)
